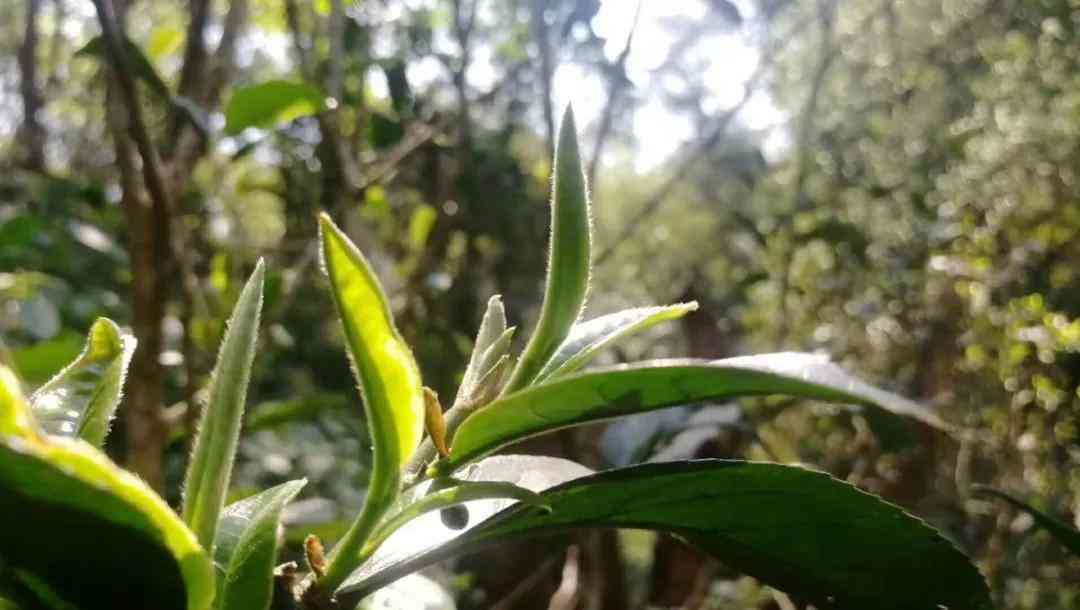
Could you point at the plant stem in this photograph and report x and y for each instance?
(346, 555)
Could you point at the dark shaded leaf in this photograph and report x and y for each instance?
(136, 61)
(801, 531)
(96, 535)
(427, 532)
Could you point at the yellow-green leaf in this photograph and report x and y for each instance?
(93, 533)
(15, 419)
(388, 377)
(82, 398)
(270, 104)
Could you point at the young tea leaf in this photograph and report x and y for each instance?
(568, 262)
(621, 390)
(208, 474)
(95, 535)
(492, 326)
(587, 338)
(389, 381)
(81, 399)
(800, 531)
(246, 548)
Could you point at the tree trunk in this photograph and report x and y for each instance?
(33, 131)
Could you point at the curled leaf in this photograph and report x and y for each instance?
(82, 398)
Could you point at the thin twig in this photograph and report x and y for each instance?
(618, 82)
(153, 175)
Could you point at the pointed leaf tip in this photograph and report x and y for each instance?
(569, 261)
(210, 469)
(82, 398)
(389, 381)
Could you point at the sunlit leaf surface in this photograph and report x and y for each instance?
(82, 398)
(622, 390)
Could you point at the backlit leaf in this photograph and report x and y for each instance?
(15, 418)
(568, 262)
(82, 398)
(208, 474)
(93, 533)
(389, 381)
(800, 531)
(621, 390)
(270, 104)
(586, 339)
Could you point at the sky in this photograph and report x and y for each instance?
(729, 56)
(731, 60)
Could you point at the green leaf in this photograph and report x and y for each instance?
(801, 531)
(246, 548)
(208, 474)
(622, 390)
(473, 386)
(587, 338)
(427, 531)
(430, 500)
(568, 262)
(492, 326)
(136, 60)
(15, 418)
(270, 104)
(82, 398)
(389, 381)
(95, 534)
(1068, 536)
